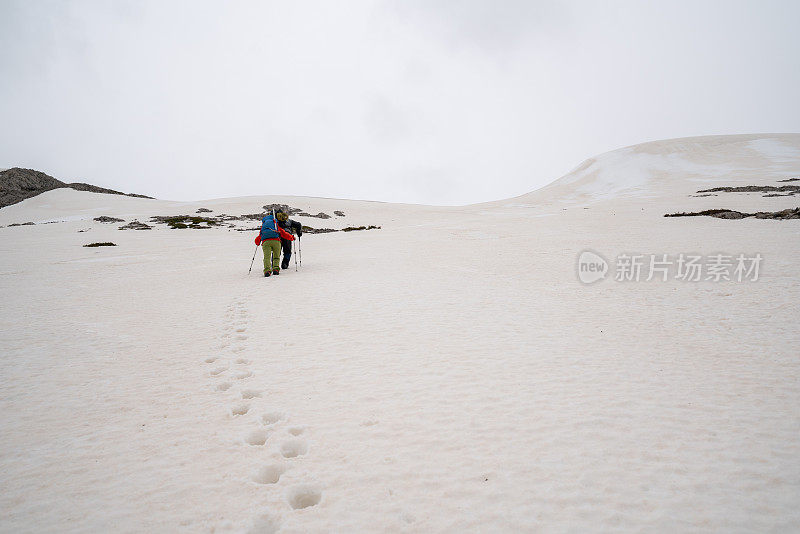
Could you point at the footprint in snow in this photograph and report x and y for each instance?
(269, 474)
(272, 417)
(303, 496)
(218, 371)
(250, 393)
(293, 448)
(224, 386)
(257, 437)
(241, 375)
(240, 409)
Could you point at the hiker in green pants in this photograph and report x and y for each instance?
(272, 255)
(270, 240)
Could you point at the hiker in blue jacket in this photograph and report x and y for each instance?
(270, 240)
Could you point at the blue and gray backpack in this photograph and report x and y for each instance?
(268, 230)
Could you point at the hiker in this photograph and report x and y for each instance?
(291, 227)
(270, 239)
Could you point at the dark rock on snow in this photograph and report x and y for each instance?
(788, 189)
(792, 213)
(18, 184)
(136, 225)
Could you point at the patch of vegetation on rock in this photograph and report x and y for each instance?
(185, 221)
(250, 217)
(311, 230)
(319, 215)
(136, 225)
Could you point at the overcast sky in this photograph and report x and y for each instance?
(438, 102)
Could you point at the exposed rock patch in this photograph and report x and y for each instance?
(18, 184)
(185, 221)
(107, 219)
(136, 225)
(310, 230)
(103, 244)
(787, 189)
(356, 228)
(319, 215)
(792, 213)
(80, 186)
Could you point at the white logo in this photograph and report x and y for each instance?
(591, 267)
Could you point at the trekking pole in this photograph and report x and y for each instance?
(254, 259)
(300, 251)
(295, 256)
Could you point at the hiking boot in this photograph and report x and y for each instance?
(267, 273)
(285, 265)
(276, 272)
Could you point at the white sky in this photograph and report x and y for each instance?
(440, 102)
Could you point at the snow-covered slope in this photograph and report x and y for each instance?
(669, 170)
(447, 372)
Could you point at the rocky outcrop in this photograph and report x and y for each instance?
(19, 184)
(792, 213)
(788, 190)
(136, 225)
